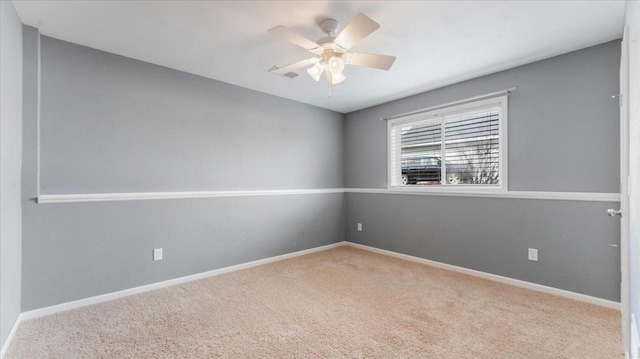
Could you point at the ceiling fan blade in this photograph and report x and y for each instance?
(359, 28)
(294, 66)
(382, 62)
(294, 37)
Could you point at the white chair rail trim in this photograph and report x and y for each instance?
(133, 196)
(566, 196)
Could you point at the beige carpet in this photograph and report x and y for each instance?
(340, 303)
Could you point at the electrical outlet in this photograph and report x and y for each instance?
(157, 254)
(533, 254)
(359, 227)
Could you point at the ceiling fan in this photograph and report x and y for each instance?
(332, 52)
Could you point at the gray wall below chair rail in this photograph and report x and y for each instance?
(493, 234)
(79, 250)
(114, 124)
(563, 136)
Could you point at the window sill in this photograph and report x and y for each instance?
(458, 189)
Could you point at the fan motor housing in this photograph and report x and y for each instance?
(330, 26)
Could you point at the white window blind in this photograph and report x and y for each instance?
(394, 170)
(456, 147)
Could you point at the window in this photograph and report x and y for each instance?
(456, 148)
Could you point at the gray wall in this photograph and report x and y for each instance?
(563, 124)
(633, 20)
(563, 137)
(10, 164)
(492, 235)
(113, 124)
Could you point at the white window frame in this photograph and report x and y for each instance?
(428, 116)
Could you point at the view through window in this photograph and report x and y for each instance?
(459, 146)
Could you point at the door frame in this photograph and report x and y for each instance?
(624, 191)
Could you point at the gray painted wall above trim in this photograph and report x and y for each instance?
(114, 124)
(563, 124)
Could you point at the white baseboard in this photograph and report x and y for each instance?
(131, 291)
(7, 342)
(36, 313)
(496, 278)
(145, 288)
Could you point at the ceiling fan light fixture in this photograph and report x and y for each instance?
(335, 78)
(336, 65)
(316, 71)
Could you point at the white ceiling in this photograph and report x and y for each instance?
(436, 42)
